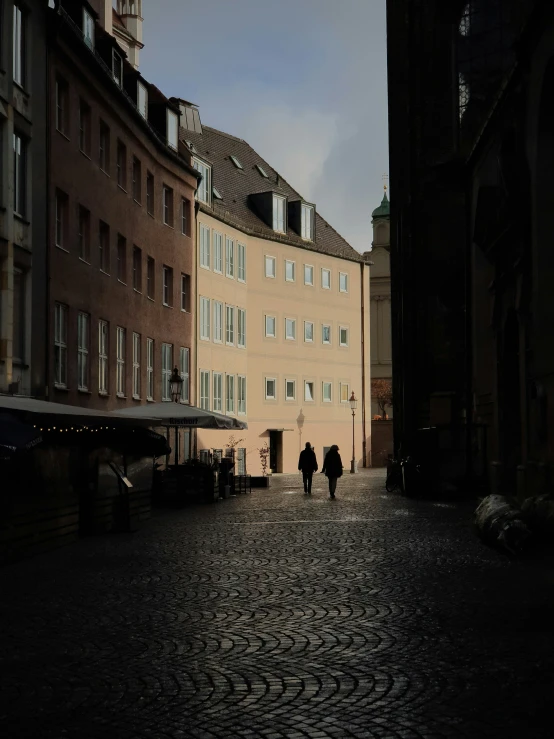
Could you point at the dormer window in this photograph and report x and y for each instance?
(217, 194)
(204, 192)
(307, 225)
(236, 162)
(279, 213)
(117, 68)
(142, 100)
(88, 29)
(172, 129)
(262, 171)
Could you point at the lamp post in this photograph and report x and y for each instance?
(176, 386)
(353, 406)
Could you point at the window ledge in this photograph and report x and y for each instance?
(169, 225)
(20, 364)
(136, 397)
(166, 305)
(103, 393)
(121, 282)
(104, 171)
(137, 291)
(22, 219)
(62, 248)
(150, 400)
(151, 214)
(137, 202)
(184, 310)
(61, 388)
(84, 261)
(121, 396)
(65, 136)
(150, 299)
(203, 266)
(120, 187)
(87, 156)
(242, 281)
(105, 273)
(84, 391)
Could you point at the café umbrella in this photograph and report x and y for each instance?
(16, 435)
(179, 415)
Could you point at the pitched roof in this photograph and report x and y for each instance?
(235, 185)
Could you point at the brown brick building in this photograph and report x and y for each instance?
(121, 214)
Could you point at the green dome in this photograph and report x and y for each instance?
(383, 211)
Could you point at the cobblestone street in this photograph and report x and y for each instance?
(280, 615)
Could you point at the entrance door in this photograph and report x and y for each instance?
(276, 451)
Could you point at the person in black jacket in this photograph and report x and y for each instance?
(332, 467)
(307, 463)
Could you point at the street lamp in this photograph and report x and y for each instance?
(353, 406)
(176, 385)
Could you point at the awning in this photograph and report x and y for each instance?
(279, 429)
(181, 416)
(15, 435)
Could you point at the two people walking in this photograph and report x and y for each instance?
(332, 468)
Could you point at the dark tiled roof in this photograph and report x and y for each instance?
(235, 185)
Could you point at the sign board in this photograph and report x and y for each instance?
(182, 422)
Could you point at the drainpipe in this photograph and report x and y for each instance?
(362, 290)
(193, 437)
(47, 321)
(468, 333)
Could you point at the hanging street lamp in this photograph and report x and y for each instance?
(176, 385)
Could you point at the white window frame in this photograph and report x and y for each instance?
(172, 123)
(287, 396)
(341, 329)
(230, 325)
(329, 385)
(241, 262)
(167, 284)
(217, 241)
(120, 356)
(274, 334)
(19, 44)
(218, 322)
(61, 214)
(136, 365)
(19, 174)
(185, 216)
(88, 29)
(306, 339)
(83, 344)
(185, 296)
(230, 258)
(142, 100)
(269, 395)
(60, 345)
(117, 68)
(293, 325)
(103, 349)
(204, 319)
(149, 369)
(167, 369)
(311, 281)
(345, 275)
(204, 246)
(230, 394)
(205, 389)
(306, 384)
(217, 401)
(204, 191)
(290, 263)
(167, 205)
(241, 328)
(272, 261)
(279, 214)
(327, 272)
(347, 394)
(307, 218)
(241, 395)
(184, 366)
(323, 327)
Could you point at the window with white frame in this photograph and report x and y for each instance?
(290, 389)
(142, 100)
(84, 234)
(19, 45)
(230, 257)
(218, 252)
(241, 327)
(167, 210)
(172, 129)
(344, 392)
(84, 127)
(218, 391)
(184, 367)
(241, 260)
(308, 331)
(103, 357)
(20, 175)
(230, 324)
(290, 270)
(241, 395)
(308, 390)
(167, 369)
(19, 314)
(327, 392)
(120, 374)
(343, 282)
(205, 390)
(88, 29)
(83, 343)
(270, 388)
(343, 336)
(279, 213)
(150, 277)
(185, 293)
(150, 369)
(204, 192)
(104, 147)
(326, 334)
(167, 296)
(326, 279)
(290, 328)
(270, 326)
(122, 258)
(61, 219)
(185, 217)
(60, 345)
(205, 319)
(204, 246)
(62, 106)
(270, 267)
(117, 68)
(218, 322)
(230, 393)
(136, 365)
(308, 274)
(307, 225)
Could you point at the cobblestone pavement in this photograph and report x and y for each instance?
(280, 615)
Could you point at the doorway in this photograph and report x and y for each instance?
(276, 451)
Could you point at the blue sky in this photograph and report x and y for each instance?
(303, 81)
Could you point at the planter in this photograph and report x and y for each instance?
(260, 482)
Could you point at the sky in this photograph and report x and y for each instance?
(302, 81)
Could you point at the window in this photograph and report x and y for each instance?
(88, 29)
(19, 46)
(168, 206)
(230, 324)
(84, 127)
(241, 258)
(185, 217)
(167, 286)
(344, 392)
(308, 391)
(205, 319)
(19, 323)
(62, 106)
(185, 292)
(327, 392)
(290, 389)
(120, 376)
(104, 246)
(103, 357)
(270, 388)
(308, 331)
(279, 213)
(61, 219)
(218, 391)
(217, 194)
(60, 345)
(218, 321)
(326, 279)
(172, 129)
(122, 259)
(184, 366)
(218, 252)
(83, 339)
(241, 399)
(117, 68)
(230, 393)
(167, 362)
(104, 147)
(270, 266)
(343, 282)
(142, 100)
(137, 269)
(326, 334)
(241, 327)
(136, 365)
(205, 390)
(270, 326)
(122, 165)
(204, 246)
(19, 175)
(307, 222)
(150, 278)
(236, 162)
(84, 234)
(150, 369)
(150, 193)
(262, 171)
(230, 257)
(290, 270)
(343, 336)
(308, 274)
(290, 328)
(203, 194)
(137, 180)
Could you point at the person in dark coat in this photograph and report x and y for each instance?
(307, 463)
(332, 467)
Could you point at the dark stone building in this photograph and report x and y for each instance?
(471, 116)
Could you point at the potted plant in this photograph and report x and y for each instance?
(263, 481)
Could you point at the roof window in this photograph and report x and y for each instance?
(236, 162)
(191, 146)
(217, 194)
(262, 171)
